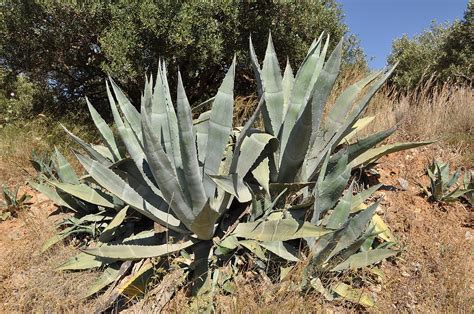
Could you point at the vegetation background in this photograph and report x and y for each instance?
(52, 54)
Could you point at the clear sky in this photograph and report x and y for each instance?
(378, 22)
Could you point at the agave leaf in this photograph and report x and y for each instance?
(360, 147)
(272, 90)
(321, 249)
(454, 195)
(364, 259)
(130, 141)
(64, 169)
(129, 111)
(315, 156)
(104, 151)
(454, 178)
(295, 151)
(353, 294)
(151, 206)
(164, 175)
(55, 239)
(109, 275)
(382, 229)
(281, 249)
(84, 192)
(135, 284)
(227, 245)
(363, 243)
(136, 252)
(254, 247)
(134, 148)
(287, 86)
(338, 113)
(262, 174)
(159, 110)
(193, 179)
(51, 194)
(354, 228)
(220, 127)
(331, 188)
(88, 148)
(313, 45)
(341, 212)
(105, 132)
(201, 128)
(375, 153)
(303, 87)
(203, 224)
(109, 232)
(323, 87)
(278, 230)
(256, 68)
(234, 185)
(84, 261)
(361, 197)
(252, 148)
(175, 151)
(357, 127)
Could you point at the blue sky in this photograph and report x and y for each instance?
(378, 22)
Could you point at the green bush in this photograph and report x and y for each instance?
(445, 51)
(69, 48)
(16, 97)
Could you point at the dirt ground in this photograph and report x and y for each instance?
(433, 273)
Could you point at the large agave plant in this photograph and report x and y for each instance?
(217, 190)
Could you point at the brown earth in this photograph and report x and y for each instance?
(433, 273)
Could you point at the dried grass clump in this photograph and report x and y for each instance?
(431, 112)
(29, 282)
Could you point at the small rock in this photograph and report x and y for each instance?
(403, 184)
(468, 235)
(417, 210)
(405, 274)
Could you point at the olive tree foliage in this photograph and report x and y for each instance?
(445, 51)
(71, 48)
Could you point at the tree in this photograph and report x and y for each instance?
(70, 48)
(446, 51)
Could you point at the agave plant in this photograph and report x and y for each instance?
(12, 202)
(217, 191)
(293, 110)
(469, 187)
(443, 185)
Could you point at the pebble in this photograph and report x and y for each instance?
(403, 184)
(405, 274)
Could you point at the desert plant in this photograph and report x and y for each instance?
(443, 186)
(219, 193)
(469, 187)
(12, 202)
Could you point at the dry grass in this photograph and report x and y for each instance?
(41, 134)
(29, 282)
(444, 113)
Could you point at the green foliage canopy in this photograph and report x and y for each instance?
(69, 49)
(445, 50)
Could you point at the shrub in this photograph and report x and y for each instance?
(444, 51)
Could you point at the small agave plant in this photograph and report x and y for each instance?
(443, 186)
(207, 195)
(469, 187)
